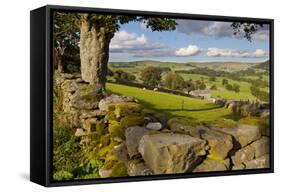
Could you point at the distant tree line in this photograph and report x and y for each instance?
(231, 87)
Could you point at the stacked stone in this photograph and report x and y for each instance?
(143, 143)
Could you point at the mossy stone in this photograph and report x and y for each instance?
(147, 112)
(182, 121)
(100, 126)
(110, 116)
(105, 140)
(110, 161)
(116, 130)
(119, 170)
(129, 121)
(127, 108)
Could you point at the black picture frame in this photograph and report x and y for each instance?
(41, 95)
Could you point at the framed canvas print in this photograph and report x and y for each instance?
(123, 95)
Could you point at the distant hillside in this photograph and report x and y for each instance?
(263, 65)
(214, 65)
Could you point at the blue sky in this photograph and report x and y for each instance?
(191, 41)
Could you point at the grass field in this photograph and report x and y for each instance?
(221, 91)
(244, 93)
(171, 105)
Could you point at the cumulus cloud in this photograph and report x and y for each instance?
(137, 45)
(190, 50)
(216, 52)
(216, 29)
(125, 40)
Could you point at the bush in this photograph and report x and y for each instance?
(62, 175)
(66, 150)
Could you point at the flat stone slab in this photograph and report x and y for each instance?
(219, 143)
(243, 134)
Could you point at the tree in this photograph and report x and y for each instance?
(236, 87)
(224, 82)
(199, 84)
(96, 32)
(213, 87)
(151, 76)
(229, 87)
(65, 39)
(189, 86)
(121, 75)
(246, 29)
(174, 81)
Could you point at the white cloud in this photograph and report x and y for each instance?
(216, 52)
(137, 45)
(190, 50)
(124, 39)
(260, 53)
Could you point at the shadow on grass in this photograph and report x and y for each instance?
(170, 111)
(232, 117)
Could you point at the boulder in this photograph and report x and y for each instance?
(120, 152)
(138, 169)
(171, 153)
(213, 165)
(243, 134)
(113, 99)
(133, 135)
(154, 126)
(261, 146)
(243, 155)
(219, 143)
(259, 163)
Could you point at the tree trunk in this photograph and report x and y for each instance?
(94, 52)
(58, 58)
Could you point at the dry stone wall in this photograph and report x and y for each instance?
(124, 134)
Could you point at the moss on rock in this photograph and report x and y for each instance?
(116, 130)
(129, 121)
(110, 116)
(119, 170)
(127, 108)
(110, 161)
(100, 126)
(182, 121)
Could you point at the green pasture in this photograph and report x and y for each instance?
(173, 105)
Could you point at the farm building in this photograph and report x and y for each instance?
(205, 94)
